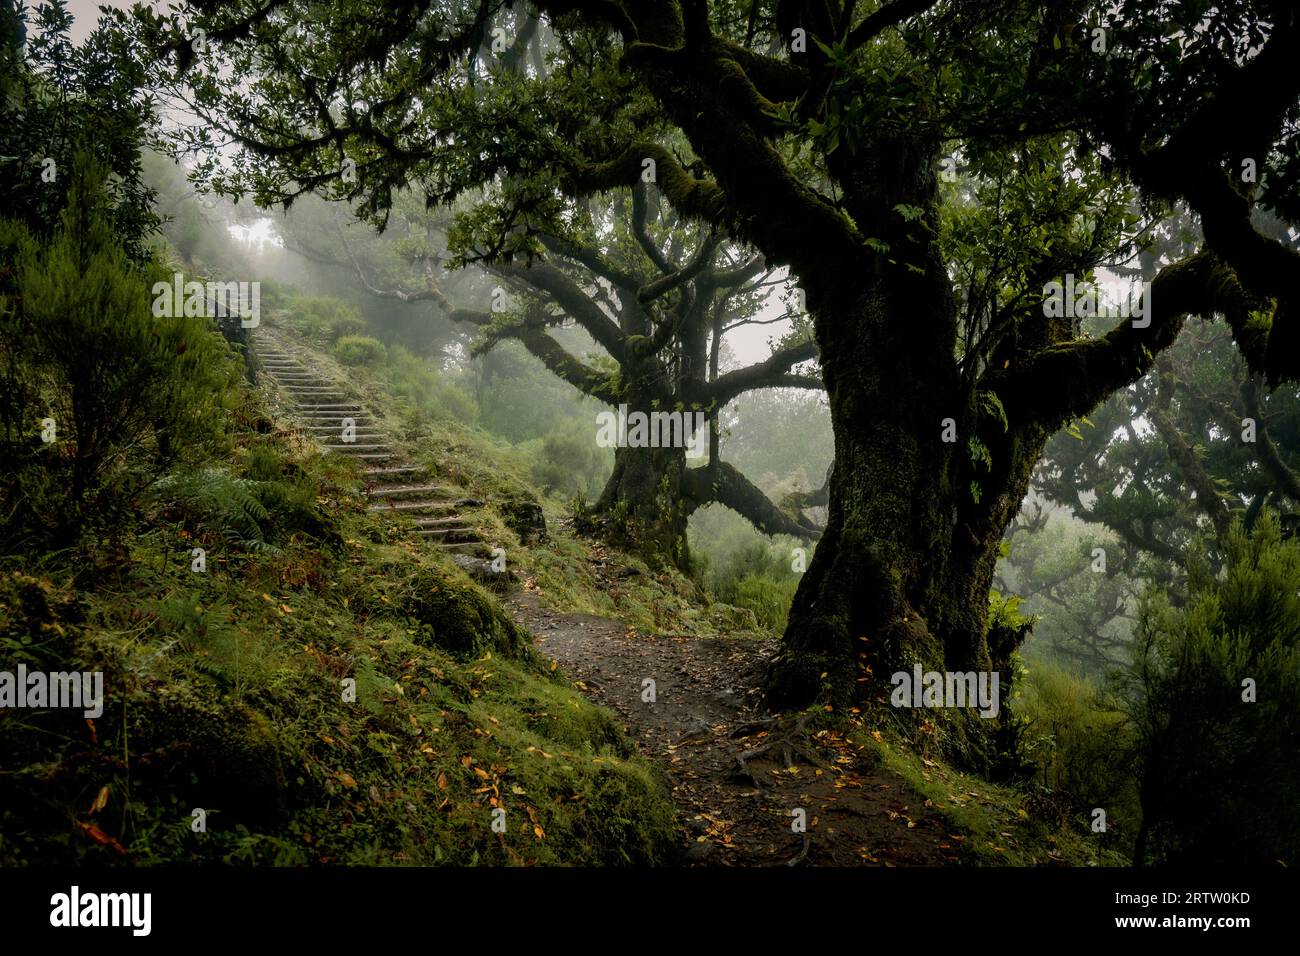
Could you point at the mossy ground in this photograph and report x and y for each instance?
(572, 574)
(226, 690)
(226, 693)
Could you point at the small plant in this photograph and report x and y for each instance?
(359, 350)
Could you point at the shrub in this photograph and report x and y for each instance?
(359, 350)
(124, 395)
(570, 463)
(1218, 770)
(757, 576)
(1081, 745)
(321, 319)
(415, 379)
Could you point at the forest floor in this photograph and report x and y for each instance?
(703, 719)
(739, 779)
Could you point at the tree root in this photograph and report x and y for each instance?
(803, 854)
(788, 743)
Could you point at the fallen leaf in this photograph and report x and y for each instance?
(99, 836)
(100, 801)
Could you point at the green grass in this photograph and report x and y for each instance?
(574, 574)
(989, 822)
(225, 692)
(561, 569)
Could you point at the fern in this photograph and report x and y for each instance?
(214, 499)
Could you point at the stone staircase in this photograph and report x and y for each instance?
(393, 485)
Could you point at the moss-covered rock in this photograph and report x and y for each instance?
(461, 618)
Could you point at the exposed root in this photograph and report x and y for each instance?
(803, 854)
(787, 743)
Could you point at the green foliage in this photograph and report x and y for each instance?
(323, 320)
(1005, 614)
(225, 693)
(1218, 773)
(758, 577)
(359, 350)
(1082, 615)
(57, 101)
(129, 395)
(416, 379)
(213, 499)
(1082, 748)
(520, 400)
(570, 463)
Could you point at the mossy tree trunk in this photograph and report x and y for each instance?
(902, 574)
(643, 507)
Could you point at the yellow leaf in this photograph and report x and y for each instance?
(541, 834)
(347, 780)
(101, 800)
(480, 773)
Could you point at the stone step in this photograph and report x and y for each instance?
(396, 492)
(375, 456)
(411, 507)
(359, 446)
(450, 535)
(443, 537)
(451, 522)
(378, 471)
(361, 436)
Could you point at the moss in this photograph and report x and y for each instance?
(225, 692)
(988, 824)
(461, 618)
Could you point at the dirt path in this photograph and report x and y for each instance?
(857, 812)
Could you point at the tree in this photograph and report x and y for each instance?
(58, 100)
(1077, 585)
(1196, 442)
(818, 132)
(656, 298)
